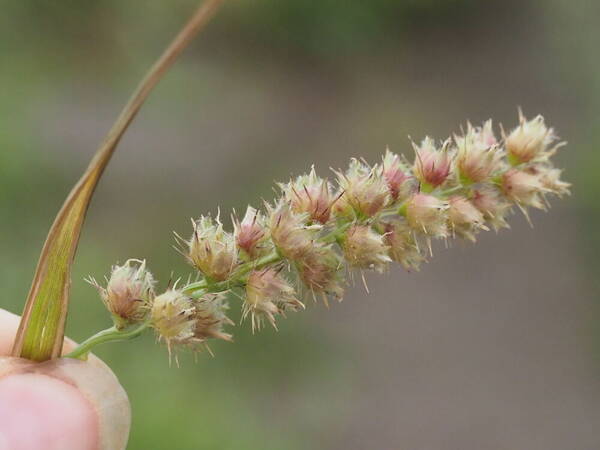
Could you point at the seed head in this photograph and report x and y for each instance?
(292, 237)
(428, 215)
(251, 234)
(268, 294)
(365, 249)
(530, 141)
(478, 155)
(464, 218)
(396, 175)
(403, 248)
(432, 165)
(311, 195)
(364, 191)
(212, 250)
(128, 292)
(493, 206)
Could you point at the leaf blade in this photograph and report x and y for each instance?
(41, 331)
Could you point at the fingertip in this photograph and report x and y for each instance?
(38, 411)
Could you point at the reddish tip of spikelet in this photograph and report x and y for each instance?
(396, 175)
(432, 164)
(251, 234)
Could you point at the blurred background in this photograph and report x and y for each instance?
(490, 346)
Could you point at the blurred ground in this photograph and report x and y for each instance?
(493, 346)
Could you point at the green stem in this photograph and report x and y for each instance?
(111, 334)
(200, 287)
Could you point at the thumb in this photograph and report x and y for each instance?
(62, 404)
(38, 411)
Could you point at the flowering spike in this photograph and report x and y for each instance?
(380, 214)
(129, 291)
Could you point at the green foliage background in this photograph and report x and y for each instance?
(68, 66)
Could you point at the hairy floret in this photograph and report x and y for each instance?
(211, 249)
(268, 294)
(363, 191)
(365, 249)
(128, 292)
(310, 194)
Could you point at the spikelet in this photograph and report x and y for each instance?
(211, 249)
(129, 290)
(530, 141)
(432, 165)
(309, 194)
(396, 174)
(403, 246)
(464, 218)
(289, 231)
(319, 270)
(493, 205)
(363, 191)
(268, 294)
(478, 155)
(428, 214)
(364, 248)
(251, 234)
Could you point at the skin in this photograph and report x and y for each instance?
(47, 406)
